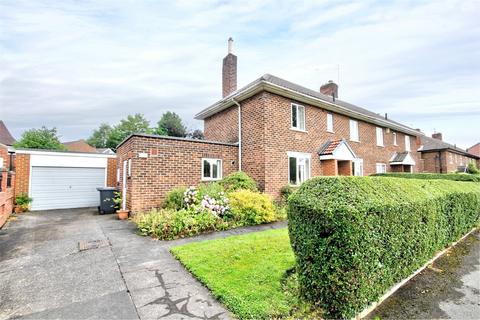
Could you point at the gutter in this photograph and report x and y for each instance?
(239, 134)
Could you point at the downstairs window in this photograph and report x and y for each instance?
(298, 168)
(211, 169)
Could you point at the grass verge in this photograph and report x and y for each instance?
(248, 273)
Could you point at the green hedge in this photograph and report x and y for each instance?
(444, 176)
(355, 237)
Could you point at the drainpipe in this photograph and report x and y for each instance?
(239, 134)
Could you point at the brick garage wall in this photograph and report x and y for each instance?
(266, 138)
(170, 163)
(112, 172)
(222, 126)
(6, 193)
(22, 170)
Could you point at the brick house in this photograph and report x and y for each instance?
(277, 132)
(441, 157)
(475, 149)
(7, 183)
(79, 146)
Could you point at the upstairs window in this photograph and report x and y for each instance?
(379, 137)
(407, 143)
(329, 122)
(354, 131)
(394, 138)
(298, 167)
(211, 169)
(298, 117)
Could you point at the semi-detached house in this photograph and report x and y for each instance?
(277, 132)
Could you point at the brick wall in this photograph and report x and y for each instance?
(443, 161)
(345, 168)
(112, 172)
(170, 163)
(222, 126)
(475, 150)
(6, 193)
(22, 169)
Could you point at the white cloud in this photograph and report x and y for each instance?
(75, 64)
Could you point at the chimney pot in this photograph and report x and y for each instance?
(330, 89)
(229, 71)
(438, 136)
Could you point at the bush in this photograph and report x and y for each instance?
(356, 237)
(238, 180)
(472, 168)
(287, 191)
(248, 207)
(174, 199)
(432, 176)
(212, 189)
(23, 200)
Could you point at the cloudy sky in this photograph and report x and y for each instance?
(75, 64)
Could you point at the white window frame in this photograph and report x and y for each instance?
(212, 161)
(407, 143)
(383, 166)
(354, 125)
(330, 122)
(129, 168)
(308, 169)
(358, 167)
(297, 108)
(394, 138)
(379, 134)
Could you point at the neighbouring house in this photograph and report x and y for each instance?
(277, 132)
(475, 149)
(105, 150)
(79, 146)
(442, 157)
(6, 137)
(7, 180)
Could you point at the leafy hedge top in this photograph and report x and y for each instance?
(238, 180)
(433, 176)
(356, 237)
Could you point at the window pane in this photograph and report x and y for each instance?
(294, 116)
(329, 122)
(353, 130)
(293, 170)
(214, 170)
(407, 143)
(206, 169)
(301, 117)
(307, 168)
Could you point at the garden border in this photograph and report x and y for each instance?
(393, 289)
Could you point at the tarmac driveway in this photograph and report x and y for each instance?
(45, 275)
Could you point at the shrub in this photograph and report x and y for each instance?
(432, 176)
(472, 168)
(238, 180)
(287, 191)
(174, 199)
(354, 238)
(248, 207)
(23, 200)
(212, 189)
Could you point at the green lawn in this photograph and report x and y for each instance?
(245, 272)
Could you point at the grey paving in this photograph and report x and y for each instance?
(43, 275)
(449, 289)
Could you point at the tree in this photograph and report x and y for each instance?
(171, 125)
(99, 137)
(133, 124)
(196, 134)
(43, 138)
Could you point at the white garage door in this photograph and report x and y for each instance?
(61, 187)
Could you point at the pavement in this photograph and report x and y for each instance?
(447, 289)
(117, 275)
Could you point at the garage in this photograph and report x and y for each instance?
(62, 180)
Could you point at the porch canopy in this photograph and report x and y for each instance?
(402, 158)
(337, 150)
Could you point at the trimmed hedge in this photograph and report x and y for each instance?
(430, 176)
(355, 237)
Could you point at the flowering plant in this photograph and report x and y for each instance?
(217, 206)
(190, 196)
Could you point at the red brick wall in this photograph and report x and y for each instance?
(222, 126)
(344, 168)
(475, 150)
(22, 170)
(112, 172)
(443, 161)
(170, 163)
(329, 168)
(6, 194)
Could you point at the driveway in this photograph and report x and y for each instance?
(44, 275)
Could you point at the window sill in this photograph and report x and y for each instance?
(211, 179)
(298, 130)
(330, 131)
(357, 141)
(380, 146)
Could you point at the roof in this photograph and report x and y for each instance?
(105, 150)
(399, 157)
(402, 158)
(79, 146)
(336, 149)
(155, 136)
(283, 87)
(329, 147)
(431, 144)
(6, 137)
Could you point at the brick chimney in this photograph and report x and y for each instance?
(437, 135)
(229, 71)
(330, 89)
